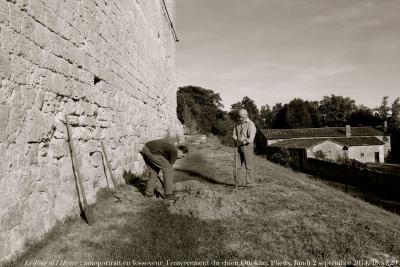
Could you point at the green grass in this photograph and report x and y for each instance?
(387, 168)
(290, 216)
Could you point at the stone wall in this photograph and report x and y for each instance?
(110, 65)
(331, 150)
(366, 154)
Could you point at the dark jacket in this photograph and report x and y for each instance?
(164, 148)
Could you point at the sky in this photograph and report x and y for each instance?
(275, 50)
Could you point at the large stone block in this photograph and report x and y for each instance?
(35, 55)
(87, 121)
(28, 26)
(58, 148)
(5, 66)
(51, 20)
(64, 28)
(42, 36)
(38, 127)
(31, 154)
(13, 217)
(96, 160)
(63, 67)
(58, 45)
(15, 17)
(19, 69)
(60, 85)
(4, 118)
(37, 10)
(48, 60)
(9, 40)
(4, 17)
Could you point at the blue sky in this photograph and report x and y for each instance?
(275, 50)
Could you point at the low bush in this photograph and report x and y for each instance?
(282, 157)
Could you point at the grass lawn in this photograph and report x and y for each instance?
(385, 167)
(288, 217)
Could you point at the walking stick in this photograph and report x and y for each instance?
(235, 167)
(86, 210)
(246, 175)
(114, 191)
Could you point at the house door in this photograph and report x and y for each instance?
(377, 157)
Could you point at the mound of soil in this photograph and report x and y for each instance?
(196, 200)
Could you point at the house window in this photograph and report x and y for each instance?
(362, 155)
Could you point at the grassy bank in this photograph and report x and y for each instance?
(289, 216)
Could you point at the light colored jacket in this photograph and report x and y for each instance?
(245, 131)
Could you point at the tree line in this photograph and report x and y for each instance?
(201, 111)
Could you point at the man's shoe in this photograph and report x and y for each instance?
(171, 197)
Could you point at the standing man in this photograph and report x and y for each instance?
(243, 134)
(159, 155)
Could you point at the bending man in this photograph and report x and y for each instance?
(243, 134)
(161, 155)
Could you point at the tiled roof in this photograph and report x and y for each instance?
(272, 134)
(359, 141)
(299, 143)
(349, 141)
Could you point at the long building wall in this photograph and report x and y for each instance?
(367, 153)
(332, 151)
(109, 65)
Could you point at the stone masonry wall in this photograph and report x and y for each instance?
(110, 65)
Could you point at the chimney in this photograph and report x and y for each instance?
(385, 126)
(348, 131)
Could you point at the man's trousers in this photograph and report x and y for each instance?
(155, 163)
(244, 160)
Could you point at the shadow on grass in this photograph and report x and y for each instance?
(157, 235)
(195, 175)
(196, 167)
(152, 235)
(134, 180)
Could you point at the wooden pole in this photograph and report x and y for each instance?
(108, 165)
(115, 193)
(235, 167)
(86, 210)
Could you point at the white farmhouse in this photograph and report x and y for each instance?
(364, 144)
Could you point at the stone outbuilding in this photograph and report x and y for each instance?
(361, 149)
(363, 144)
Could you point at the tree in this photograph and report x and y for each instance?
(336, 110)
(313, 110)
(267, 116)
(297, 114)
(249, 105)
(223, 125)
(395, 118)
(280, 116)
(363, 116)
(198, 107)
(383, 110)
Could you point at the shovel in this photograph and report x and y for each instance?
(85, 209)
(113, 191)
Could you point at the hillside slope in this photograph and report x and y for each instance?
(288, 217)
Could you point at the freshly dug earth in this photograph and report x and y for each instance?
(288, 217)
(206, 203)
